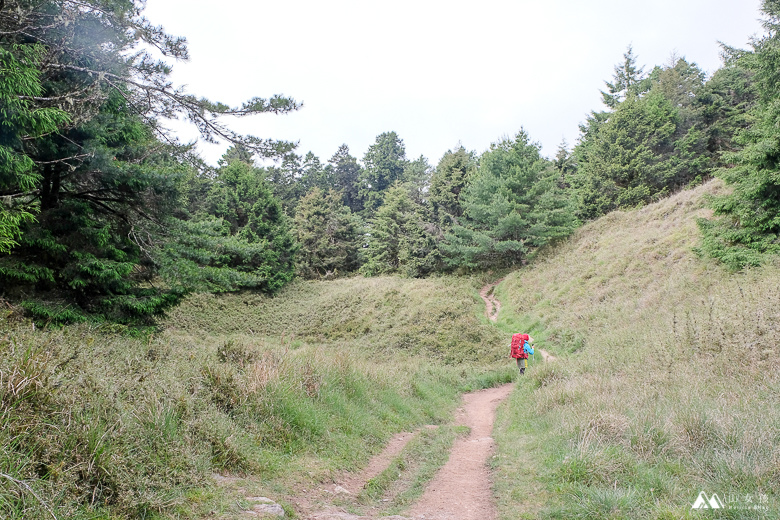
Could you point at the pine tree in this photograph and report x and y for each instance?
(384, 163)
(236, 152)
(106, 181)
(512, 205)
(285, 181)
(747, 229)
(647, 147)
(627, 80)
(313, 174)
(344, 173)
(726, 101)
(327, 233)
(244, 203)
(20, 82)
(447, 183)
(398, 239)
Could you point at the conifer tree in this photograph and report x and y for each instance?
(627, 80)
(285, 181)
(747, 229)
(106, 181)
(647, 147)
(313, 174)
(399, 241)
(447, 183)
(344, 173)
(726, 102)
(248, 211)
(512, 205)
(327, 234)
(384, 163)
(565, 163)
(417, 176)
(19, 83)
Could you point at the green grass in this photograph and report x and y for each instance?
(283, 391)
(667, 379)
(666, 384)
(437, 317)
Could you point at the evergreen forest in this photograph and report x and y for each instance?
(105, 214)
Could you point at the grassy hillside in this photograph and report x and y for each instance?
(666, 385)
(98, 424)
(437, 317)
(667, 380)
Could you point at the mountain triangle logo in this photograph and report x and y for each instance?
(702, 502)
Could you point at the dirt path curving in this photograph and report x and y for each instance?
(492, 305)
(461, 490)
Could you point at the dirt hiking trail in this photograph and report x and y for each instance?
(461, 490)
(492, 305)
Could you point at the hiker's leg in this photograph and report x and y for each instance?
(521, 366)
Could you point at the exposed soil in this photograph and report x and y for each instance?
(354, 484)
(492, 305)
(462, 488)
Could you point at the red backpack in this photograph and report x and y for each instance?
(518, 340)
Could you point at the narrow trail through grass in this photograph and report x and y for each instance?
(461, 487)
(493, 307)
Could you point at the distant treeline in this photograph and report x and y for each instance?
(105, 214)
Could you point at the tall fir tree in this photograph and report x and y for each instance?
(313, 174)
(243, 201)
(648, 146)
(627, 80)
(384, 163)
(447, 183)
(747, 228)
(105, 182)
(512, 205)
(328, 236)
(285, 181)
(344, 173)
(400, 240)
(20, 82)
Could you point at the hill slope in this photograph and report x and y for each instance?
(436, 317)
(667, 381)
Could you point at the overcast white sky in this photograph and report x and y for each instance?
(436, 72)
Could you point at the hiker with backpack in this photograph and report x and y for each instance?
(520, 349)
